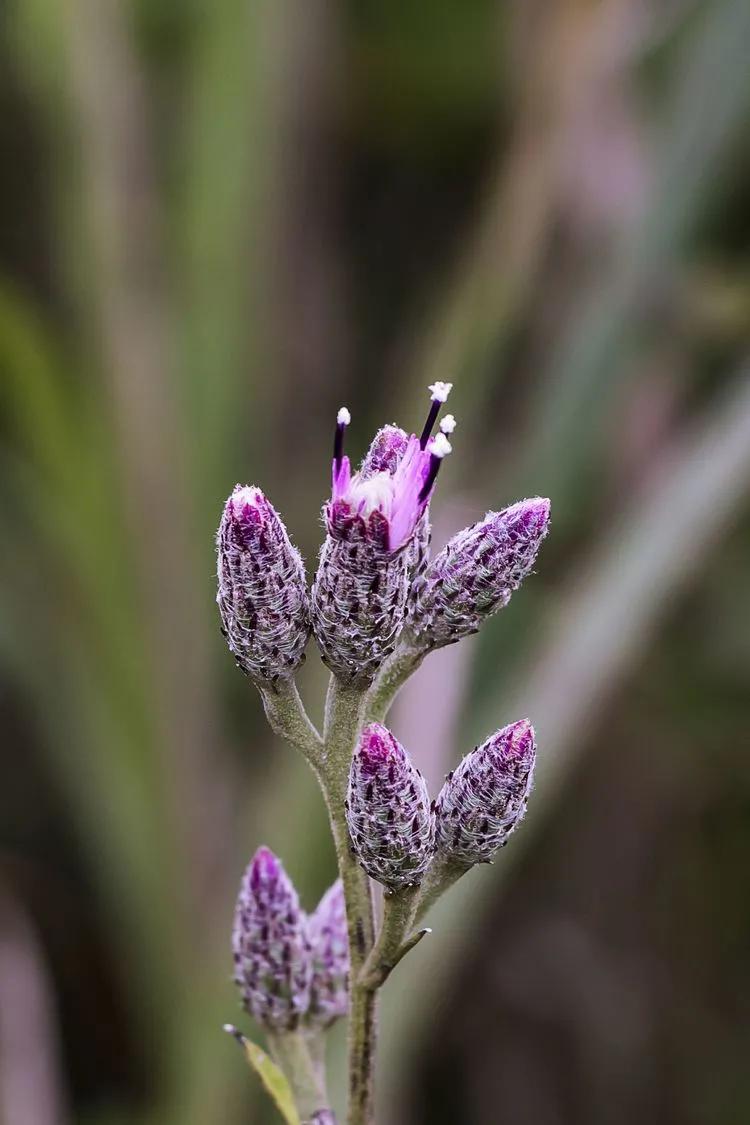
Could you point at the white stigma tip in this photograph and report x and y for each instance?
(440, 391)
(448, 424)
(440, 446)
(343, 418)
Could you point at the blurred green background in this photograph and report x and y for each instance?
(219, 221)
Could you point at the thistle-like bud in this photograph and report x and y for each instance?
(477, 571)
(262, 594)
(388, 810)
(272, 962)
(360, 591)
(329, 942)
(484, 799)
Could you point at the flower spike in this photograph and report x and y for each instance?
(388, 810)
(272, 962)
(484, 799)
(262, 594)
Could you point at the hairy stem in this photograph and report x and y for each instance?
(288, 718)
(442, 873)
(292, 1053)
(345, 707)
(399, 909)
(393, 675)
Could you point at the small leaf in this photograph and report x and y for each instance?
(269, 1074)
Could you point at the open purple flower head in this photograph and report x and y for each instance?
(262, 593)
(376, 527)
(484, 798)
(388, 810)
(327, 934)
(272, 962)
(477, 571)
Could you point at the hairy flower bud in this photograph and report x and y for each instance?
(477, 571)
(262, 594)
(369, 556)
(385, 453)
(388, 810)
(272, 962)
(329, 942)
(484, 798)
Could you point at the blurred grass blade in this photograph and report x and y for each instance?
(269, 1074)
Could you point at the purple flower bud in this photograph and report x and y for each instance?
(484, 799)
(360, 591)
(272, 962)
(388, 810)
(477, 571)
(329, 941)
(262, 593)
(385, 453)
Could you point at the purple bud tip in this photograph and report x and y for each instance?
(388, 810)
(387, 448)
(378, 749)
(484, 798)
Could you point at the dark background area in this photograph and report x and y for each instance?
(218, 222)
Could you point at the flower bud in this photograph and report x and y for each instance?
(329, 942)
(262, 593)
(484, 799)
(477, 571)
(388, 810)
(272, 962)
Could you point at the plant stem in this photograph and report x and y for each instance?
(292, 1053)
(394, 674)
(399, 909)
(442, 873)
(287, 717)
(345, 706)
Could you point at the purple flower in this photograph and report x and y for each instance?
(262, 593)
(272, 962)
(484, 799)
(329, 942)
(377, 532)
(477, 571)
(388, 810)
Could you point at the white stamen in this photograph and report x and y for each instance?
(440, 446)
(343, 418)
(440, 391)
(448, 424)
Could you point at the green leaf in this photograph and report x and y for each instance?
(269, 1074)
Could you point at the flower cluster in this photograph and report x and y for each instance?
(395, 832)
(290, 969)
(377, 606)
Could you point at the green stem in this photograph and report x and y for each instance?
(394, 674)
(399, 909)
(292, 1053)
(345, 707)
(288, 718)
(442, 873)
